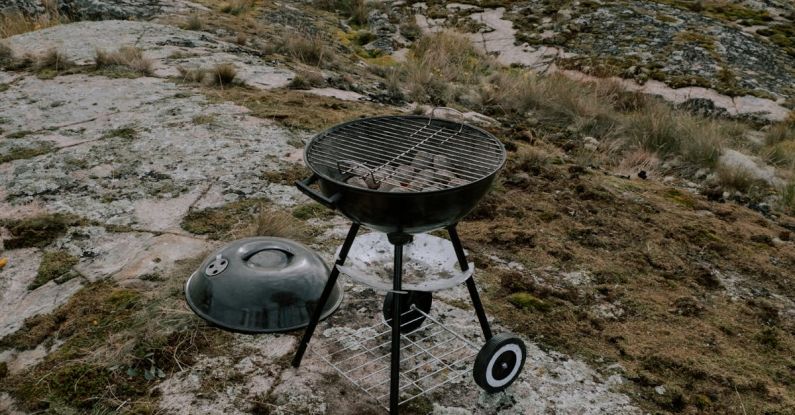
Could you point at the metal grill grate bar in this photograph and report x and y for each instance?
(431, 356)
(456, 138)
(390, 148)
(358, 137)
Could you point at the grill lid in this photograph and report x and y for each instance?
(260, 285)
(405, 154)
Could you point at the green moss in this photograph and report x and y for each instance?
(23, 153)
(37, 232)
(55, 266)
(680, 198)
(19, 134)
(311, 211)
(287, 176)
(217, 223)
(420, 405)
(124, 132)
(203, 119)
(527, 301)
(768, 338)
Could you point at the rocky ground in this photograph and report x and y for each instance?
(632, 295)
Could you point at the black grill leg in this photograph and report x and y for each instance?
(394, 378)
(473, 290)
(321, 302)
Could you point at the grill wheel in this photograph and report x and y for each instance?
(499, 362)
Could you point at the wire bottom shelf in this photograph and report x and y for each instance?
(430, 357)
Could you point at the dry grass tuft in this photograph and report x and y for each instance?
(194, 22)
(439, 59)
(787, 202)
(6, 54)
(280, 224)
(193, 75)
(305, 48)
(222, 74)
(128, 58)
(736, 178)
(237, 7)
(780, 132)
(355, 10)
(306, 80)
(52, 59)
(15, 23)
(667, 132)
(638, 160)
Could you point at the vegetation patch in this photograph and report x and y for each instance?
(224, 74)
(15, 23)
(127, 133)
(38, 231)
(312, 211)
(296, 109)
(253, 217)
(117, 343)
(126, 62)
(218, 223)
(527, 301)
(55, 266)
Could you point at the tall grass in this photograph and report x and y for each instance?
(355, 10)
(15, 23)
(127, 57)
(439, 60)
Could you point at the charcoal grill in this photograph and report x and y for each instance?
(405, 175)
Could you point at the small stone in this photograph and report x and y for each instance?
(441, 162)
(590, 143)
(404, 174)
(660, 390)
(422, 160)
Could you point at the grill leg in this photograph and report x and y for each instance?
(321, 303)
(394, 376)
(473, 289)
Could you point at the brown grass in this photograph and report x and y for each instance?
(193, 75)
(305, 48)
(14, 23)
(280, 224)
(355, 10)
(296, 109)
(237, 7)
(222, 74)
(6, 54)
(439, 59)
(737, 179)
(668, 132)
(194, 22)
(127, 58)
(52, 59)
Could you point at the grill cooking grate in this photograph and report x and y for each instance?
(404, 153)
(430, 357)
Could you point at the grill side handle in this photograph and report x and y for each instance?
(303, 186)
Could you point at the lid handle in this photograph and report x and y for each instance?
(251, 249)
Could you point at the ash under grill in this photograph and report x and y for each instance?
(405, 154)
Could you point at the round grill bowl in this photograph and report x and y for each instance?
(477, 157)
